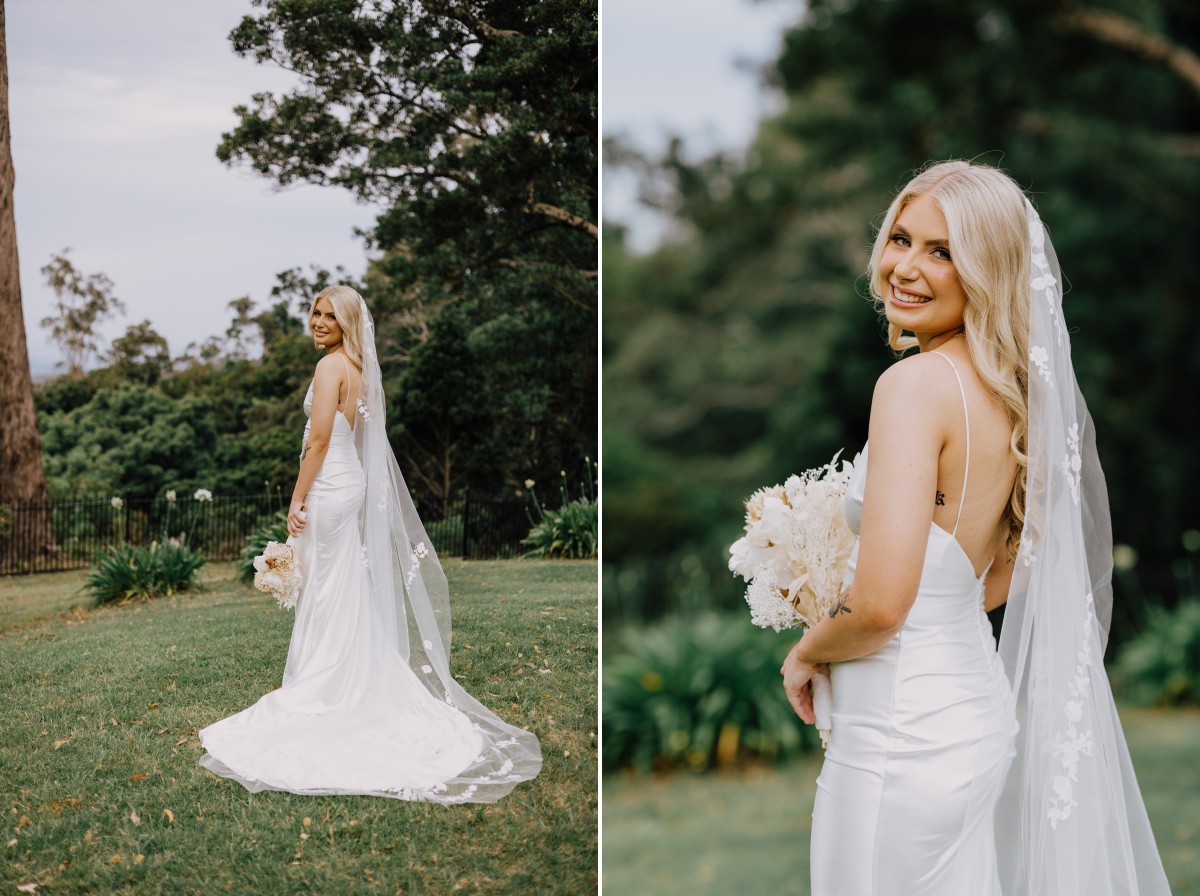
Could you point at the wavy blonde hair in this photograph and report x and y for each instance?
(989, 243)
(347, 308)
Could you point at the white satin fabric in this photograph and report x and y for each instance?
(923, 736)
(351, 716)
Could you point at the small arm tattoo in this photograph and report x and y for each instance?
(304, 453)
(840, 605)
(940, 499)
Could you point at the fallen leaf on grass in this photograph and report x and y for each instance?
(28, 888)
(59, 743)
(117, 859)
(170, 816)
(23, 821)
(137, 860)
(139, 776)
(12, 842)
(135, 818)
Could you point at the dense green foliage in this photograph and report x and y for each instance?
(746, 350)
(474, 126)
(129, 572)
(1161, 665)
(698, 692)
(222, 423)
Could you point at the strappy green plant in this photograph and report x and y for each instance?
(139, 572)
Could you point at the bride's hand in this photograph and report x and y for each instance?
(295, 518)
(797, 683)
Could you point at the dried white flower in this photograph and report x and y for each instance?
(278, 574)
(796, 547)
(117, 503)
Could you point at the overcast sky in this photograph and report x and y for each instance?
(116, 111)
(686, 68)
(117, 108)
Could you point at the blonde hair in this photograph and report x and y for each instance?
(347, 308)
(989, 244)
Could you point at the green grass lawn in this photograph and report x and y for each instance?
(102, 792)
(747, 832)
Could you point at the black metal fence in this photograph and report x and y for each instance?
(493, 527)
(61, 535)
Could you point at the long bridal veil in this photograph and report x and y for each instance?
(409, 589)
(1071, 821)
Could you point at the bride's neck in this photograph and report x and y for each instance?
(929, 343)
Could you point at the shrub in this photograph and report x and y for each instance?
(572, 530)
(1162, 664)
(568, 532)
(128, 573)
(256, 543)
(699, 692)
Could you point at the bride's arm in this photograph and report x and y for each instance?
(909, 427)
(326, 385)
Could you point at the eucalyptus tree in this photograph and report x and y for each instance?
(21, 475)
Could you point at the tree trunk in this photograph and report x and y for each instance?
(22, 478)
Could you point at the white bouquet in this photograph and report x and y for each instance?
(278, 574)
(794, 555)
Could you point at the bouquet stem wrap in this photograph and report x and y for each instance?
(822, 691)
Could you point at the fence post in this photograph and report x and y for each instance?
(466, 529)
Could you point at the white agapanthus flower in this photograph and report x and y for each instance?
(203, 494)
(170, 496)
(117, 503)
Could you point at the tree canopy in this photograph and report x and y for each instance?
(472, 125)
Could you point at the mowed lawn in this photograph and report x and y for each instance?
(747, 832)
(102, 792)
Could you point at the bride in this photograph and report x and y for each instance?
(367, 704)
(953, 768)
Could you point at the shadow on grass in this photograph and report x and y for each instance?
(748, 831)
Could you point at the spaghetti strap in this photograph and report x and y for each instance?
(967, 415)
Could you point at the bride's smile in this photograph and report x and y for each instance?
(919, 282)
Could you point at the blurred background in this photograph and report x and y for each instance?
(742, 191)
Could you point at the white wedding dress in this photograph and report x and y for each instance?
(351, 716)
(922, 738)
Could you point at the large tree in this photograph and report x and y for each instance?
(472, 125)
(21, 475)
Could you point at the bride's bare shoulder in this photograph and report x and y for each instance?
(918, 383)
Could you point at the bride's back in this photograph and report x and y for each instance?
(992, 467)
